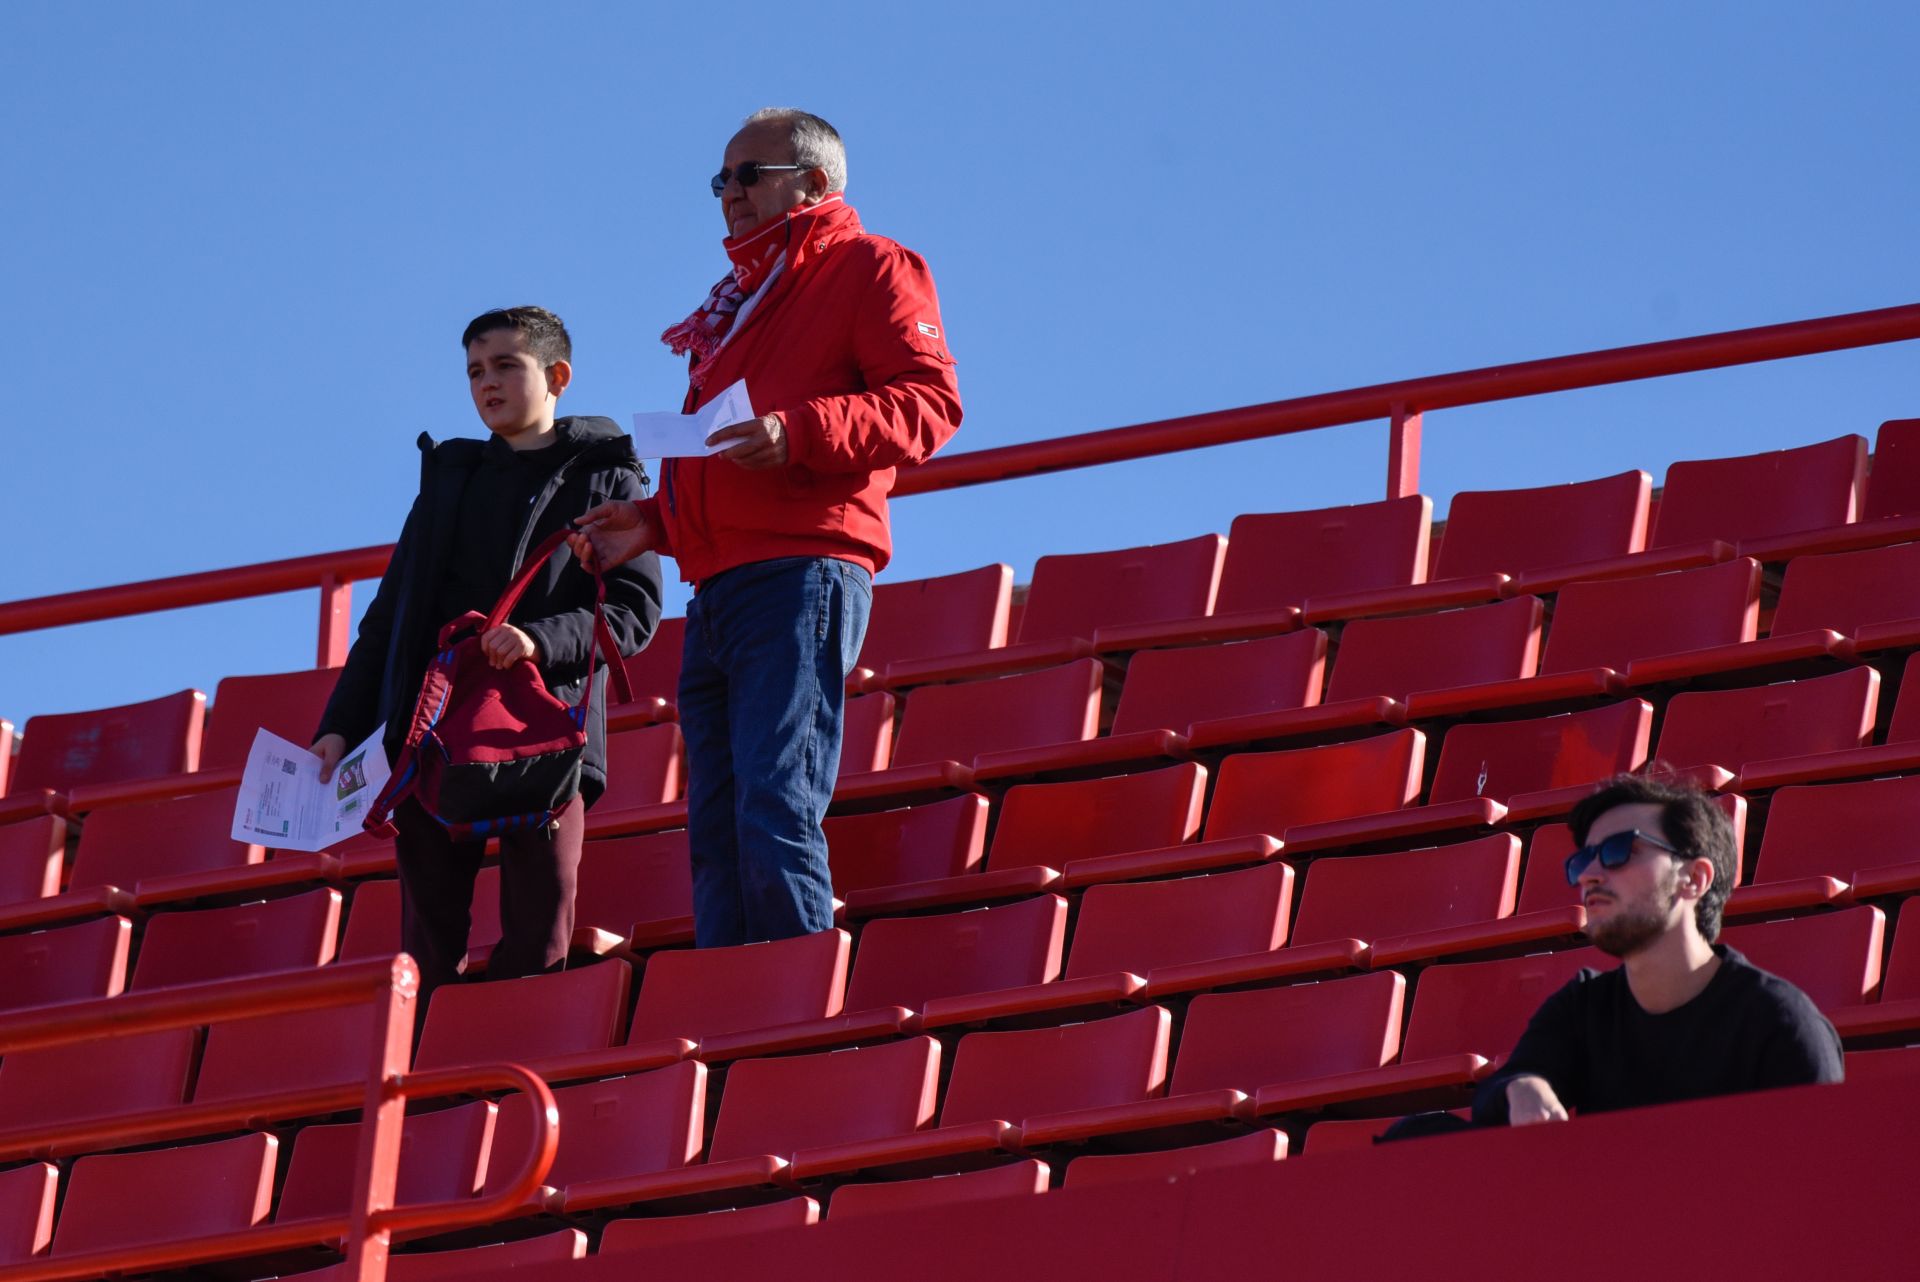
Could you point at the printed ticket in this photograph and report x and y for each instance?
(284, 805)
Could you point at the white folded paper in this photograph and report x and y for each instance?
(669, 435)
(284, 805)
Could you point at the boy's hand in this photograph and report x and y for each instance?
(762, 443)
(507, 645)
(329, 748)
(611, 535)
(1531, 1099)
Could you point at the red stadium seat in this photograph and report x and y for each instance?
(656, 1232)
(288, 704)
(1542, 766)
(1254, 1149)
(443, 1157)
(68, 964)
(1899, 754)
(646, 779)
(1893, 487)
(1477, 1010)
(26, 1211)
(1073, 595)
(1003, 1081)
(952, 614)
(32, 855)
(1013, 1179)
(1092, 820)
(1871, 597)
(1542, 537)
(1833, 957)
(1897, 1014)
(1820, 840)
(951, 968)
(166, 1195)
(1437, 655)
(474, 1261)
(638, 888)
(62, 751)
(1246, 681)
(866, 742)
(1544, 888)
(654, 675)
(1767, 505)
(1717, 734)
(619, 1129)
(97, 1078)
(947, 729)
(1419, 901)
(285, 1053)
(755, 998)
(525, 1020)
(887, 858)
(248, 939)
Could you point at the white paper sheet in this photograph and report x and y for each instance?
(284, 805)
(669, 435)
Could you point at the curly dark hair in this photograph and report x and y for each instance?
(1688, 819)
(546, 337)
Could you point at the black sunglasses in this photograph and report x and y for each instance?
(748, 174)
(1612, 852)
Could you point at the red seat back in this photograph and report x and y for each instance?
(96, 1078)
(1283, 558)
(1757, 495)
(1731, 728)
(26, 1210)
(523, 1019)
(930, 618)
(909, 961)
(1481, 1008)
(1379, 896)
(1848, 590)
(1031, 1072)
(866, 734)
(632, 1125)
(865, 1094)
(705, 992)
(1513, 531)
(65, 964)
(1501, 759)
(248, 939)
(125, 845)
(959, 722)
(1254, 1149)
(1893, 488)
(166, 1195)
(1268, 1036)
(916, 843)
(1172, 689)
(655, 672)
(1838, 829)
(1902, 979)
(628, 880)
(659, 1231)
(1270, 792)
(1608, 623)
(1072, 595)
(1138, 926)
(644, 767)
(109, 745)
(1011, 1179)
(273, 1053)
(1047, 824)
(1398, 656)
(442, 1158)
(1834, 958)
(32, 854)
(288, 704)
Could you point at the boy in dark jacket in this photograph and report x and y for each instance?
(482, 506)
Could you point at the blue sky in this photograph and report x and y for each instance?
(241, 241)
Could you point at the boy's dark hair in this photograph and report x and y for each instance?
(546, 337)
(1689, 819)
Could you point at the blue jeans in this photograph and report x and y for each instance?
(762, 695)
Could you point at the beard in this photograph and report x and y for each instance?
(1633, 926)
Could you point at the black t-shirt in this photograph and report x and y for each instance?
(1746, 1031)
(492, 517)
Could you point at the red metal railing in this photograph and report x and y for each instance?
(390, 987)
(1399, 404)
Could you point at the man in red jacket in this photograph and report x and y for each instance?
(837, 333)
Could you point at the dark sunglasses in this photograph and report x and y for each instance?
(1612, 852)
(748, 174)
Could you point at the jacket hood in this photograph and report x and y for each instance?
(578, 434)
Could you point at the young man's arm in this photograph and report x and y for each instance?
(1544, 1075)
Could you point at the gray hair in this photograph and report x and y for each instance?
(816, 144)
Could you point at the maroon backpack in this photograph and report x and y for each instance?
(490, 750)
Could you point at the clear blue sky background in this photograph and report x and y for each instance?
(238, 243)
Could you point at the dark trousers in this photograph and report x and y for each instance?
(539, 869)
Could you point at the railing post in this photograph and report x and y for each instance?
(1403, 453)
(379, 1157)
(336, 613)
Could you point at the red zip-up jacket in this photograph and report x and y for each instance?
(847, 346)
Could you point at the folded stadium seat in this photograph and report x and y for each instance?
(1255, 1149)
(443, 1158)
(1044, 824)
(433, 1266)
(1543, 885)
(1073, 595)
(639, 889)
(1018, 724)
(26, 1211)
(33, 853)
(1871, 597)
(1542, 766)
(627, 1129)
(654, 676)
(1199, 932)
(973, 966)
(247, 939)
(646, 783)
(67, 964)
(1385, 669)
(1895, 1018)
(1541, 538)
(1714, 736)
(1467, 1016)
(117, 1200)
(1175, 689)
(754, 999)
(1833, 957)
(1003, 1082)
(1276, 561)
(623, 1236)
(918, 857)
(1300, 1047)
(552, 1023)
(1416, 905)
(64, 751)
(1835, 842)
(373, 920)
(1899, 753)
(163, 852)
(285, 1054)
(1013, 1179)
(866, 733)
(935, 618)
(102, 1077)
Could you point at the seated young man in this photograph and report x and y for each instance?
(482, 505)
(1681, 1017)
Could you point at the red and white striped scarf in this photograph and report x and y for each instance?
(754, 257)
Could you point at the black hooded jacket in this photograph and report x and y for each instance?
(433, 566)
